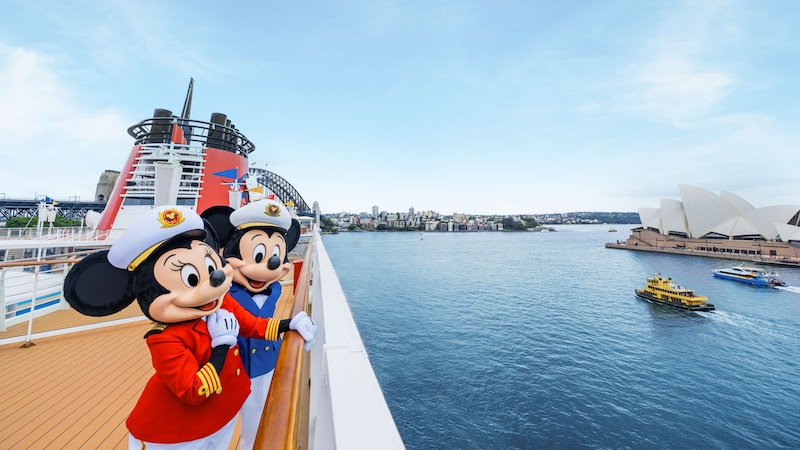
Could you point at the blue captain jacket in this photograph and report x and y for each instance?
(258, 355)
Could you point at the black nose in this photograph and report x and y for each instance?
(274, 262)
(217, 277)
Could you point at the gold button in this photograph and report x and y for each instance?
(253, 351)
(266, 349)
(236, 352)
(237, 372)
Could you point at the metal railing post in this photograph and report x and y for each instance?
(2, 300)
(36, 271)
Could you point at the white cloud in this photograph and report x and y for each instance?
(50, 143)
(677, 90)
(675, 80)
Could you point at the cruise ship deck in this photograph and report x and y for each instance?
(76, 389)
(56, 391)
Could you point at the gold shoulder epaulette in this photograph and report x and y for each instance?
(157, 327)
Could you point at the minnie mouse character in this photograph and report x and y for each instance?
(256, 240)
(167, 261)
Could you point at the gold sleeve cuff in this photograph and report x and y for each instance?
(272, 329)
(210, 380)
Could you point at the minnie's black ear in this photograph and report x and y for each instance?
(96, 288)
(293, 235)
(219, 219)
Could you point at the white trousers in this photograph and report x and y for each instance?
(221, 439)
(253, 408)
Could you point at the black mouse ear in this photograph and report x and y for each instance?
(219, 219)
(211, 236)
(293, 235)
(94, 287)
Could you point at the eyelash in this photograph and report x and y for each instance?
(179, 265)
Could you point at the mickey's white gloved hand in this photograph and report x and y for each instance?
(305, 326)
(223, 328)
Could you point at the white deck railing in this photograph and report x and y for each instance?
(30, 291)
(347, 407)
(53, 234)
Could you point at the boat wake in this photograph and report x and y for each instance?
(794, 289)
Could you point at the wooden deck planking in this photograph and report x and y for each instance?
(71, 388)
(30, 377)
(76, 390)
(115, 390)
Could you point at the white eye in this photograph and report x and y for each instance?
(259, 253)
(189, 275)
(210, 264)
(276, 251)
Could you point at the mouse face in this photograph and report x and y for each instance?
(195, 280)
(261, 260)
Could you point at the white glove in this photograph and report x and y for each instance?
(305, 326)
(223, 328)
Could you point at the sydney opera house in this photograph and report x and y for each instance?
(703, 223)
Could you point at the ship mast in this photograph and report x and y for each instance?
(187, 104)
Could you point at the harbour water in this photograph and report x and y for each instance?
(536, 340)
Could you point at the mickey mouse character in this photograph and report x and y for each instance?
(167, 261)
(256, 240)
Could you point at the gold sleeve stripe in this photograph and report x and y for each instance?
(272, 329)
(209, 379)
(212, 372)
(204, 389)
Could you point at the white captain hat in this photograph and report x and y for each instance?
(262, 213)
(150, 231)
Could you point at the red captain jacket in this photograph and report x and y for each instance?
(185, 400)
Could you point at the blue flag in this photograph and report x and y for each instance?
(230, 173)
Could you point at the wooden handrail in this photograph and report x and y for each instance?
(51, 259)
(43, 262)
(280, 420)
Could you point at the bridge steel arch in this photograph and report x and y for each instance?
(282, 189)
(76, 210)
(73, 210)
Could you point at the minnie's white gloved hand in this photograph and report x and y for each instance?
(223, 328)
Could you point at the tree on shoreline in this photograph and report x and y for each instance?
(32, 222)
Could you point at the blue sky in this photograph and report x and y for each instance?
(499, 107)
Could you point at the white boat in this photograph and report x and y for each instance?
(326, 398)
(750, 275)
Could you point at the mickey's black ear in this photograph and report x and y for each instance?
(211, 236)
(219, 219)
(293, 235)
(94, 287)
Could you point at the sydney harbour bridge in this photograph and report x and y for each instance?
(75, 209)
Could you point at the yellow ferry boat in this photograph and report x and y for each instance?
(662, 290)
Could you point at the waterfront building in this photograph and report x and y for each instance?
(723, 225)
(412, 219)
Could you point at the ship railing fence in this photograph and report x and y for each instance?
(81, 233)
(335, 379)
(31, 288)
